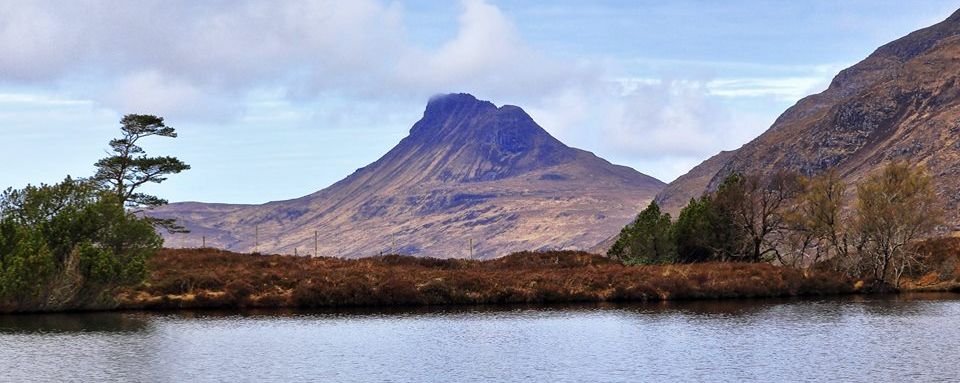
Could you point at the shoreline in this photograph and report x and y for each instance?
(209, 279)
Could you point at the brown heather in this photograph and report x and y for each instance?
(195, 278)
(941, 258)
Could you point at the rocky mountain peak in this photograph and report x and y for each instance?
(456, 103)
(461, 138)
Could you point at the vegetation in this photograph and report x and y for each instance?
(210, 278)
(73, 243)
(650, 234)
(129, 168)
(895, 208)
(939, 268)
(798, 222)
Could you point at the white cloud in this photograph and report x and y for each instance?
(40, 100)
(648, 118)
(152, 92)
(487, 55)
(215, 47)
(784, 88)
(307, 47)
(214, 60)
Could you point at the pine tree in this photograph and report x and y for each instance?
(129, 168)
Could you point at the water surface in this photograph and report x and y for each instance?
(852, 339)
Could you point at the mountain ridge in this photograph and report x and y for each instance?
(899, 103)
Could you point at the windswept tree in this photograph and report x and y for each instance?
(648, 239)
(129, 168)
(894, 208)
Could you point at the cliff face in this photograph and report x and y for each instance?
(900, 103)
(469, 171)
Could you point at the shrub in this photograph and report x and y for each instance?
(68, 238)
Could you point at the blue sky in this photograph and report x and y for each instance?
(275, 100)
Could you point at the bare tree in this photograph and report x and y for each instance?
(759, 205)
(820, 217)
(894, 208)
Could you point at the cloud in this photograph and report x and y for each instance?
(663, 127)
(648, 118)
(153, 92)
(487, 55)
(38, 100)
(214, 60)
(784, 88)
(188, 50)
(216, 47)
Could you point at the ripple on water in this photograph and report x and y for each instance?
(783, 340)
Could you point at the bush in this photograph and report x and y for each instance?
(649, 239)
(69, 238)
(238, 291)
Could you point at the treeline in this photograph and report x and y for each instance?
(71, 244)
(795, 221)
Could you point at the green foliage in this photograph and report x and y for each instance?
(695, 238)
(98, 264)
(129, 168)
(26, 262)
(707, 229)
(648, 239)
(740, 221)
(43, 228)
(727, 236)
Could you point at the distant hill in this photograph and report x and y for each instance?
(469, 171)
(900, 103)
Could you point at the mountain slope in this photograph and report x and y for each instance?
(900, 103)
(469, 172)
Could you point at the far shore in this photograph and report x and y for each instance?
(216, 279)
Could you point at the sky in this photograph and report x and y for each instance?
(274, 100)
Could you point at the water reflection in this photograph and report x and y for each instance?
(824, 308)
(106, 322)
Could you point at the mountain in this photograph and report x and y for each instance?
(900, 103)
(468, 172)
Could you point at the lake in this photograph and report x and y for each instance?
(907, 338)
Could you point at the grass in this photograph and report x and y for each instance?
(206, 278)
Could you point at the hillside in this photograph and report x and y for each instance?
(900, 103)
(469, 171)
